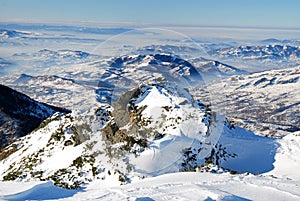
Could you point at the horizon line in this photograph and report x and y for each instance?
(89, 23)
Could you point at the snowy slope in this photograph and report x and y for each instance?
(176, 186)
(287, 161)
(266, 103)
(282, 183)
(19, 114)
(56, 150)
(198, 186)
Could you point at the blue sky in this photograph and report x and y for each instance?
(247, 13)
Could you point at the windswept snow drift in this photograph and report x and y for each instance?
(176, 186)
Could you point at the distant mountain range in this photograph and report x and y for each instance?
(266, 52)
(48, 58)
(126, 71)
(255, 58)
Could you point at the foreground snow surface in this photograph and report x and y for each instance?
(280, 183)
(177, 186)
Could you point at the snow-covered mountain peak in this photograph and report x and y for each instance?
(161, 121)
(135, 136)
(153, 129)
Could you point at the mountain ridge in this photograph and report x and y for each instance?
(20, 114)
(135, 140)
